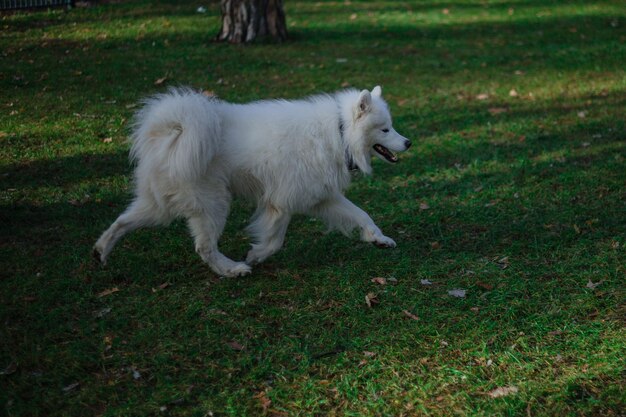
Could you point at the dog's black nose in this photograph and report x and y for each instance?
(407, 144)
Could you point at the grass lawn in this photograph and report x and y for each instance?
(514, 191)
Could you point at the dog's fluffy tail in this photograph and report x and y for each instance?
(177, 133)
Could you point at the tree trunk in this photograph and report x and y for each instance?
(245, 20)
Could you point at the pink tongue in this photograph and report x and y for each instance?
(385, 152)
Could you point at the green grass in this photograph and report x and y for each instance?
(537, 178)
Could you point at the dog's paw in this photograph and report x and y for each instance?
(384, 242)
(98, 256)
(237, 269)
(372, 234)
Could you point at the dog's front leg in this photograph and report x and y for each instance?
(344, 215)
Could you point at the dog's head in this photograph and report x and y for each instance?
(372, 132)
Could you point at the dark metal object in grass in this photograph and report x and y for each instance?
(34, 4)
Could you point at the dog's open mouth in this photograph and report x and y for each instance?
(385, 153)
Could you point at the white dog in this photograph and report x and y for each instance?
(193, 153)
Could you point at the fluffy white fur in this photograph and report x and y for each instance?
(193, 153)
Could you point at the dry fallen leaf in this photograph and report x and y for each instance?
(457, 292)
(369, 354)
(482, 96)
(502, 391)
(263, 400)
(77, 203)
(235, 345)
(107, 140)
(108, 292)
(161, 287)
(496, 110)
(9, 369)
(370, 299)
(410, 315)
(593, 285)
(424, 206)
(484, 285)
(425, 282)
(160, 81)
(71, 387)
(513, 93)
(108, 343)
(379, 280)
(101, 313)
(502, 263)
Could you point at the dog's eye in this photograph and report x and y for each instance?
(386, 130)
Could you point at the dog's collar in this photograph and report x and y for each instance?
(352, 166)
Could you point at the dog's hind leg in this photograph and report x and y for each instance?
(206, 227)
(268, 229)
(139, 214)
(344, 215)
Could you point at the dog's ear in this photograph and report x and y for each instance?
(377, 91)
(364, 104)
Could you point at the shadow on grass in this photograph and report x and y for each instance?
(65, 171)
